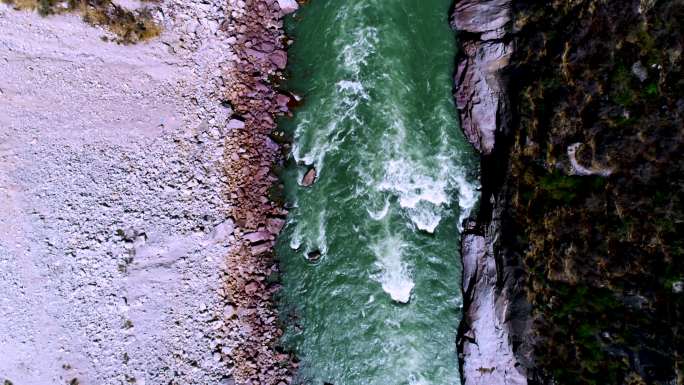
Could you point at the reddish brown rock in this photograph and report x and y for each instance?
(251, 288)
(279, 58)
(250, 155)
(309, 178)
(282, 100)
(261, 249)
(275, 225)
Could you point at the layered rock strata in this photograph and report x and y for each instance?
(573, 269)
(489, 278)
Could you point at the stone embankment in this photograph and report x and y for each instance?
(249, 279)
(489, 281)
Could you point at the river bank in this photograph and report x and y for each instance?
(251, 277)
(576, 108)
(492, 313)
(136, 220)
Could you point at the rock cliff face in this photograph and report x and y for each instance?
(575, 258)
(490, 279)
(480, 94)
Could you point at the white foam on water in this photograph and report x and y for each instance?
(354, 88)
(425, 218)
(296, 238)
(350, 94)
(407, 180)
(417, 380)
(354, 56)
(321, 240)
(392, 323)
(381, 214)
(419, 194)
(394, 275)
(318, 233)
(324, 141)
(467, 198)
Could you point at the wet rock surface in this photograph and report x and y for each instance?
(489, 282)
(309, 178)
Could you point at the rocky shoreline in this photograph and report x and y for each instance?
(250, 280)
(491, 312)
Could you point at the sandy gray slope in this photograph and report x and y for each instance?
(112, 215)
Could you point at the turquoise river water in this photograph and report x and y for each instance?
(370, 251)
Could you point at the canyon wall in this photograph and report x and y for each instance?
(574, 263)
(492, 310)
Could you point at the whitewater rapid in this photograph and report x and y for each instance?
(379, 303)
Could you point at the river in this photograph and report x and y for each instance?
(371, 269)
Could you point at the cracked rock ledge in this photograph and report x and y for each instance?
(490, 309)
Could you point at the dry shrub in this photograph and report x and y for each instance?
(129, 26)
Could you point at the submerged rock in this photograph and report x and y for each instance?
(313, 256)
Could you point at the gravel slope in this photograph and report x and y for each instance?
(113, 227)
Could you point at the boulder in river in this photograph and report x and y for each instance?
(314, 256)
(288, 6)
(309, 177)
